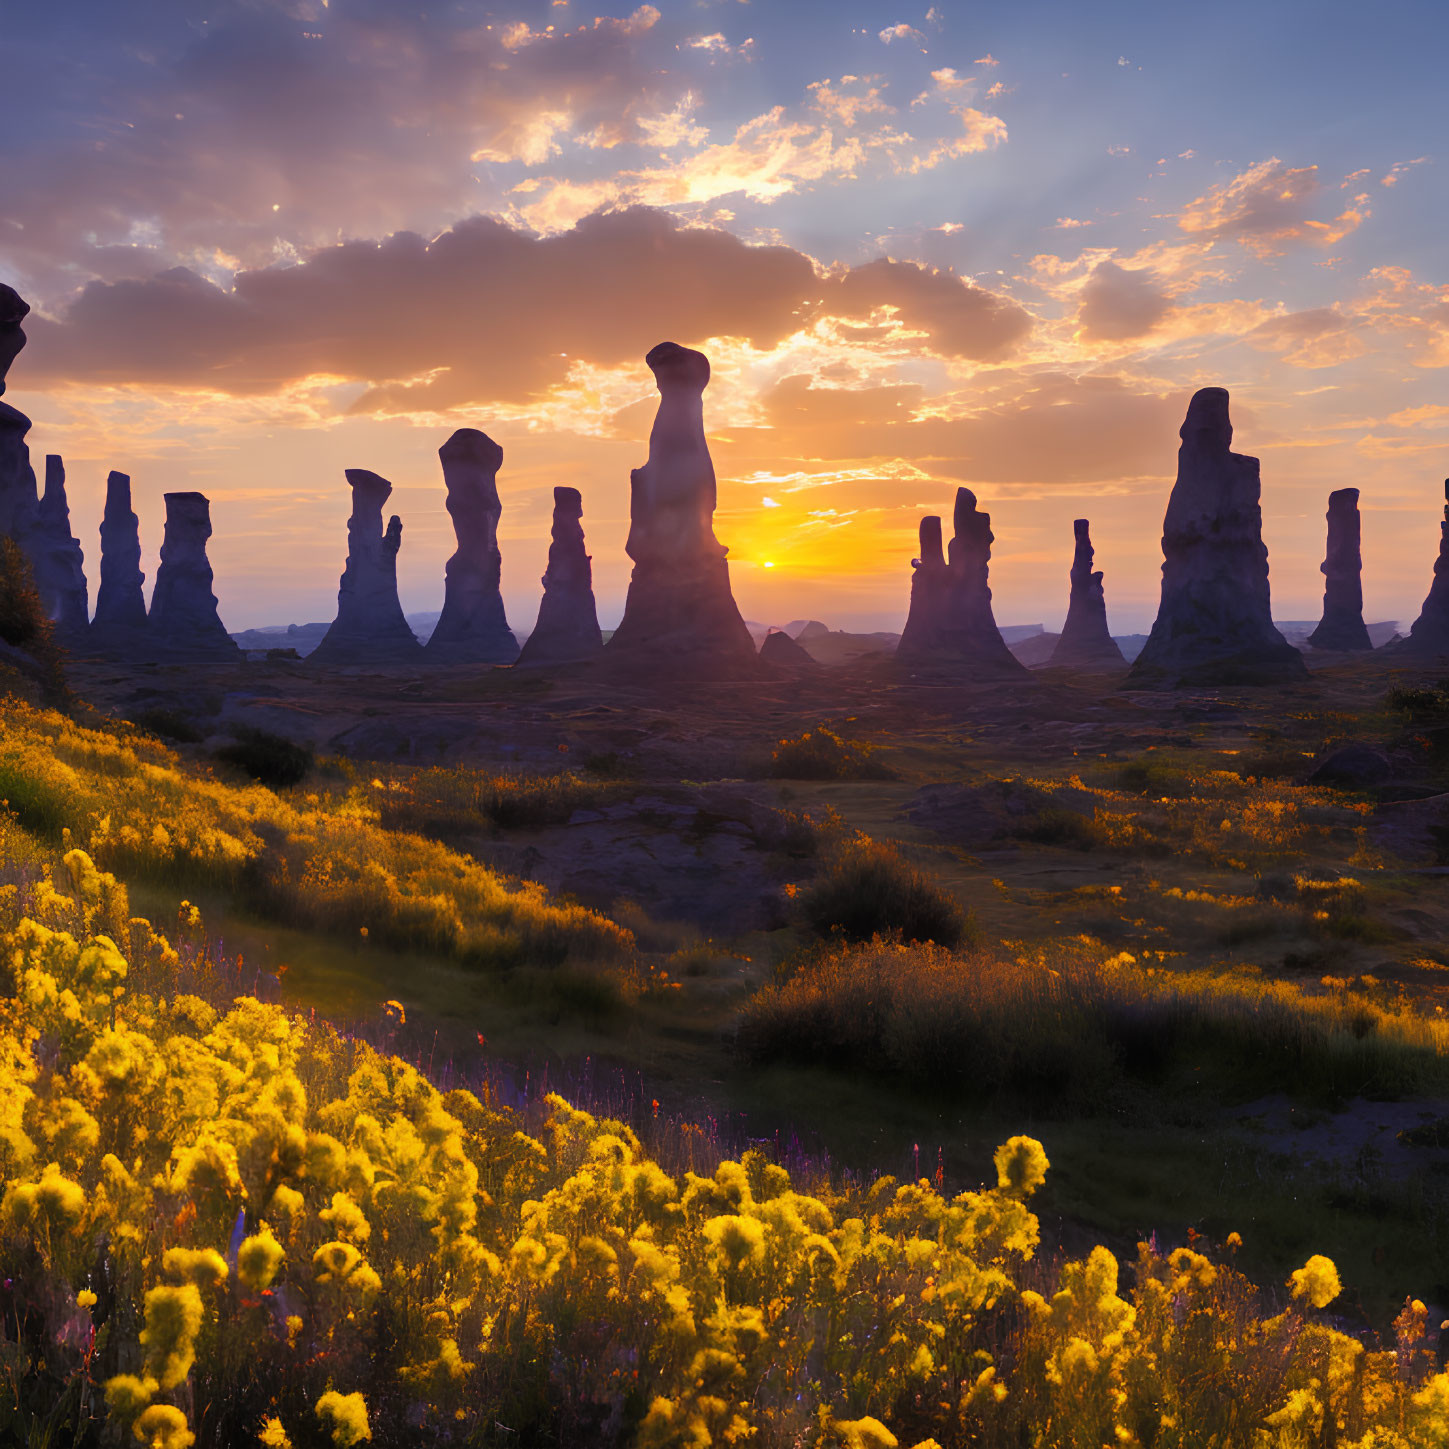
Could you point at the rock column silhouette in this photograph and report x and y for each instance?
(1214, 623)
(369, 627)
(1342, 625)
(950, 622)
(473, 628)
(567, 631)
(680, 617)
(120, 621)
(18, 511)
(1429, 633)
(183, 615)
(1086, 642)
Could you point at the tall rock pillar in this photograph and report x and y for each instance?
(1429, 633)
(1086, 641)
(120, 621)
(567, 631)
(183, 615)
(1342, 625)
(1214, 623)
(473, 629)
(680, 614)
(57, 559)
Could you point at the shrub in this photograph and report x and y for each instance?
(170, 724)
(821, 754)
(269, 759)
(24, 623)
(868, 889)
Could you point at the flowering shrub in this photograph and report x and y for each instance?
(315, 860)
(221, 1224)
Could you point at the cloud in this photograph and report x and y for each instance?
(1118, 304)
(1265, 208)
(902, 32)
(486, 314)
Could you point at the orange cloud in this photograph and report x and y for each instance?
(1265, 208)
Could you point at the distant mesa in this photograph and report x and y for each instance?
(473, 628)
(1429, 633)
(567, 631)
(369, 627)
(120, 622)
(780, 650)
(1086, 642)
(950, 622)
(1342, 625)
(183, 617)
(806, 629)
(1214, 625)
(680, 616)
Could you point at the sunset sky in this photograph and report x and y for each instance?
(997, 244)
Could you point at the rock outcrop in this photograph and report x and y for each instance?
(1214, 625)
(950, 622)
(17, 478)
(120, 621)
(57, 560)
(1430, 631)
(1085, 640)
(1342, 625)
(473, 629)
(183, 617)
(369, 627)
(567, 631)
(783, 652)
(680, 617)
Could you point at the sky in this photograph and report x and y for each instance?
(994, 245)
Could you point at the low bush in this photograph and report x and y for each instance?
(869, 889)
(269, 759)
(821, 754)
(24, 623)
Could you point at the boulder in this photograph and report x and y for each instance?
(1342, 626)
(472, 629)
(1430, 631)
(120, 621)
(950, 622)
(1085, 641)
(183, 616)
(57, 559)
(567, 631)
(369, 627)
(1356, 765)
(1214, 625)
(680, 616)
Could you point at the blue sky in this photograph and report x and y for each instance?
(991, 244)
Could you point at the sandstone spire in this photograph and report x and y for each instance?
(120, 604)
(369, 627)
(17, 478)
(473, 629)
(567, 631)
(1342, 625)
(183, 615)
(1430, 631)
(680, 613)
(57, 559)
(1086, 640)
(951, 622)
(1214, 624)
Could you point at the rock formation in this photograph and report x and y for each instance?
(1214, 624)
(183, 615)
(120, 620)
(680, 614)
(782, 651)
(57, 560)
(1342, 625)
(950, 621)
(17, 478)
(369, 627)
(1430, 631)
(473, 629)
(567, 631)
(1085, 640)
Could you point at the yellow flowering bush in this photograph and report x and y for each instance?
(247, 1228)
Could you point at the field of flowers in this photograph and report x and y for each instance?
(320, 859)
(221, 1224)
